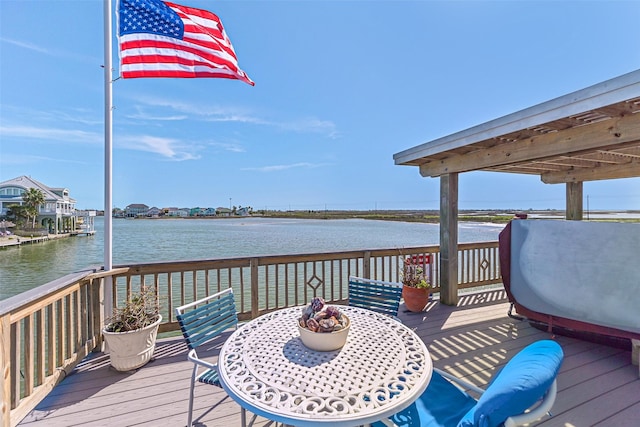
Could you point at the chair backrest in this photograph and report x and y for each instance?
(520, 384)
(375, 295)
(205, 319)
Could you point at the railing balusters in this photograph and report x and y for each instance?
(59, 332)
(16, 338)
(27, 369)
(40, 355)
(51, 324)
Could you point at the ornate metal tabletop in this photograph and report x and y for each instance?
(383, 367)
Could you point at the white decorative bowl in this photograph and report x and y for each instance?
(324, 341)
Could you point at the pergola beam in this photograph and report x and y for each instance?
(612, 132)
(627, 170)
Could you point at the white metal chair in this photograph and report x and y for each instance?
(201, 322)
(375, 295)
(523, 391)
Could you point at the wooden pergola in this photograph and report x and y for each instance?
(592, 134)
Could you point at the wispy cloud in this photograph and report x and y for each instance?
(51, 134)
(209, 113)
(233, 147)
(277, 168)
(312, 125)
(216, 113)
(51, 52)
(25, 45)
(142, 114)
(74, 115)
(22, 159)
(170, 148)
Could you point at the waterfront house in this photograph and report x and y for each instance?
(154, 212)
(58, 213)
(170, 211)
(209, 212)
(135, 210)
(243, 211)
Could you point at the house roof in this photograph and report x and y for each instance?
(27, 182)
(591, 134)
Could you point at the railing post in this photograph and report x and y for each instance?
(5, 363)
(255, 296)
(97, 314)
(449, 239)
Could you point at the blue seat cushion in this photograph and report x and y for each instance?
(519, 385)
(441, 405)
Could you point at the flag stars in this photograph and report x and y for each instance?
(149, 17)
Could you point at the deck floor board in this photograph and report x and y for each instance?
(597, 384)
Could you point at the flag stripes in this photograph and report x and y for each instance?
(162, 39)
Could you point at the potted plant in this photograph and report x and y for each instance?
(415, 285)
(130, 334)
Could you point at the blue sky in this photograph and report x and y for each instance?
(340, 87)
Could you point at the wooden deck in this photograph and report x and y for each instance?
(598, 385)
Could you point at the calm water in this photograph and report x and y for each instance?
(141, 241)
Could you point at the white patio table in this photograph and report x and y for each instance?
(383, 367)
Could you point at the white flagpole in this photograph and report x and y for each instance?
(108, 127)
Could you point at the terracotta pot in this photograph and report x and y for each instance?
(415, 299)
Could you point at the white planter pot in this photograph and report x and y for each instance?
(131, 350)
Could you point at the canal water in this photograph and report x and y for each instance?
(142, 241)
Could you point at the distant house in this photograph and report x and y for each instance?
(223, 211)
(210, 212)
(57, 214)
(196, 212)
(135, 210)
(243, 211)
(172, 211)
(154, 212)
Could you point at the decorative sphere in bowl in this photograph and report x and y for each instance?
(325, 341)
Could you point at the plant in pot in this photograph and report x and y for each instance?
(415, 285)
(130, 334)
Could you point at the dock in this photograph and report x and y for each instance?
(15, 241)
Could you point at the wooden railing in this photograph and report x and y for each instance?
(45, 332)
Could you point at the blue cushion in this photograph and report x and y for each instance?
(441, 405)
(518, 386)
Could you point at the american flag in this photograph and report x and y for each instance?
(162, 39)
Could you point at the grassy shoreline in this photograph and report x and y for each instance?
(432, 216)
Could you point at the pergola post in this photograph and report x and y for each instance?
(449, 239)
(574, 201)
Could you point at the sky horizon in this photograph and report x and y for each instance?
(340, 87)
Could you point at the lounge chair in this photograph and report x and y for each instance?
(526, 382)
